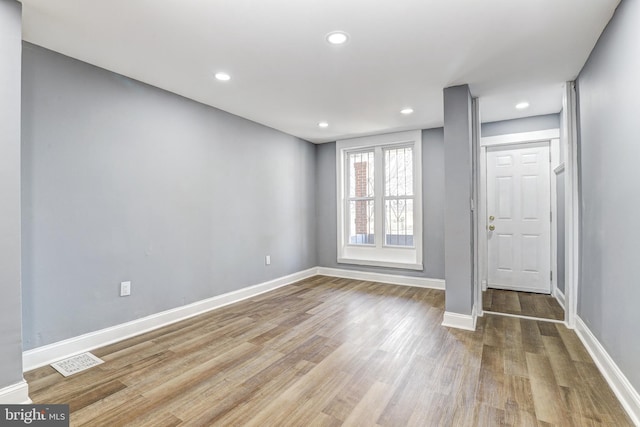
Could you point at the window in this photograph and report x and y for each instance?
(361, 201)
(379, 200)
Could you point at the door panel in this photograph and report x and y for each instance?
(518, 199)
(505, 252)
(505, 199)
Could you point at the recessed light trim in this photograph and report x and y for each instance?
(337, 37)
(223, 77)
(406, 111)
(522, 105)
(323, 125)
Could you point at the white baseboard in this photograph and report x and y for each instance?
(627, 395)
(460, 321)
(50, 353)
(15, 394)
(420, 282)
(559, 297)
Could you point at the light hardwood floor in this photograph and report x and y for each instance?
(522, 303)
(332, 352)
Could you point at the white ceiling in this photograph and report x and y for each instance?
(401, 53)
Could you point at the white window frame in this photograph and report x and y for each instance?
(379, 254)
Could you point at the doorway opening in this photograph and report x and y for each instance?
(518, 238)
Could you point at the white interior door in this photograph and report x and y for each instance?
(519, 217)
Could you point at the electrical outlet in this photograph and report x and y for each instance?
(125, 289)
(267, 260)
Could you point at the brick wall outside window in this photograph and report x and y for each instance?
(361, 220)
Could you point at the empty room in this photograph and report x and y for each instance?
(301, 213)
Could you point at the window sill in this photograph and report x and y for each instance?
(374, 263)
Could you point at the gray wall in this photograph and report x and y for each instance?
(609, 102)
(10, 315)
(458, 250)
(526, 124)
(432, 210)
(123, 181)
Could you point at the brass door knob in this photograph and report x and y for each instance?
(492, 227)
(491, 218)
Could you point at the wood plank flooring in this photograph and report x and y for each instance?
(330, 352)
(522, 303)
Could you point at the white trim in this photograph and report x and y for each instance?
(559, 169)
(354, 261)
(483, 243)
(47, 354)
(419, 282)
(554, 152)
(460, 321)
(572, 204)
(15, 394)
(626, 394)
(520, 138)
(560, 298)
(477, 230)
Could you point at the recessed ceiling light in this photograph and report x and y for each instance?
(323, 124)
(223, 77)
(337, 37)
(522, 105)
(406, 111)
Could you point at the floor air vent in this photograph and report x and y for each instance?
(77, 363)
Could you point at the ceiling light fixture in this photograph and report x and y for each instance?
(337, 37)
(406, 111)
(522, 105)
(323, 124)
(223, 77)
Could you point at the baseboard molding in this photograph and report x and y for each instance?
(460, 321)
(15, 394)
(627, 395)
(559, 297)
(50, 353)
(41, 356)
(420, 282)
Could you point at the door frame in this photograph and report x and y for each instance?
(553, 137)
(569, 124)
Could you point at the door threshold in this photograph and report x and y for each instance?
(521, 316)
(512, 289)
